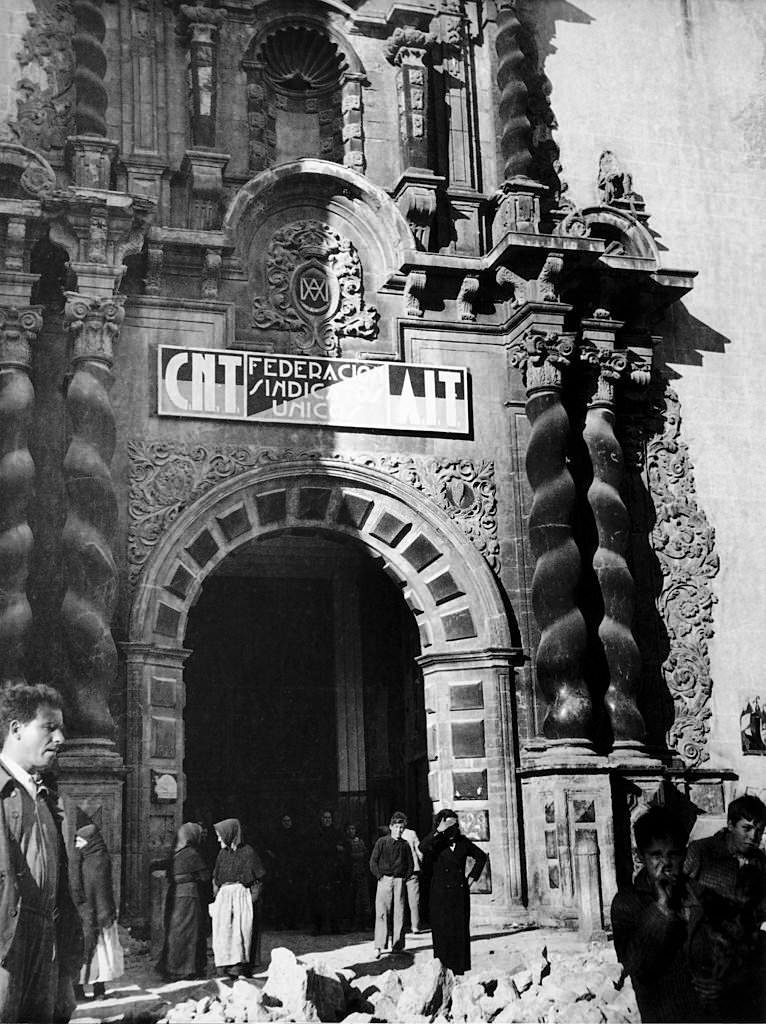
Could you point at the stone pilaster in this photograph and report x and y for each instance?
(201, 24)
(408, 50)
(19, 328)
(543, 356)
(623, 660)
(353, 126)
(91, 521)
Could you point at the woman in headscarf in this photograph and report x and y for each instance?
(93, 893)
(237, 884)
(184, 952)
(448, 849)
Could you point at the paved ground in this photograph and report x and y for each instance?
(140, 994)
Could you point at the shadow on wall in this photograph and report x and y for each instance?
(686, 340)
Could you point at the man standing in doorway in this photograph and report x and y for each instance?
(391, 863)
(41, 944)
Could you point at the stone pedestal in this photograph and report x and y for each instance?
(416, 195)
(91, 776)
(203, 173)
(567, 810)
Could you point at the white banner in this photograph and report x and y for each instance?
(265, 388)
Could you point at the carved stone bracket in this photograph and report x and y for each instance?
(98, 231)
(466, 298)
(416, 195)
(413, 293)
(203, 173)
(684, 543)
(167, 477)
(315, 289)
(211, 274)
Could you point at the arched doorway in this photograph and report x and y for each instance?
(439, 575)
(304, 654)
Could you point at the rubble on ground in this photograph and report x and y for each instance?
(577, 989)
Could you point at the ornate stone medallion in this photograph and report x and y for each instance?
(315, 290)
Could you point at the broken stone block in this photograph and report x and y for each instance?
(423, 991)
(466, 1002)
(327, 992)
(358, 1018)
(522, 980)
(287, 980)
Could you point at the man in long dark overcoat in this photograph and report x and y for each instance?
(41, 945)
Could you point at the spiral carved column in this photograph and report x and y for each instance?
(89, 529)
(90, 68)
(615, 581)
(516, 129)
(542, 357)
(18, 330)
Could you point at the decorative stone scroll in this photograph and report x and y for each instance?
(315, 290)
(166, 477)
(684, 543)
(45, 102)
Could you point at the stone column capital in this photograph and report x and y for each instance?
(200, 21)
(409, 45)
(543, 356)
(94, 324)
(19, 327)
(608, 367)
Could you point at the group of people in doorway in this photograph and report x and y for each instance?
(338, 879)
(690, 929)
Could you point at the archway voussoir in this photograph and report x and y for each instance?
(203, 548)
(313, 502)
(413, 603)
(426, 634)
(234, 523)
(443, 588)
(421, 553)
(389, 528)
(459, 625)
(271, 507)
(167, 620)
(354, 510)
(180, 582)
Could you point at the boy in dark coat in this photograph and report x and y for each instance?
(649, 921)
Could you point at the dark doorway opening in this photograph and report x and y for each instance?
(303, 692)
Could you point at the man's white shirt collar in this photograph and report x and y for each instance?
(29, 783)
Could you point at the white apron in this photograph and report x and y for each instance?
(108, 961)
(232, 914)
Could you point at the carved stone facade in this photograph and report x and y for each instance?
(467, 488)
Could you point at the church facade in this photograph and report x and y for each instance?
(364, 443)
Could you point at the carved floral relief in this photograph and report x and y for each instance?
(684, 543)
(167, 477)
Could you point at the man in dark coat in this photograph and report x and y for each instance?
(41, 946)
(727, 946)
(448, 852)
(649, 922)
(328, 867)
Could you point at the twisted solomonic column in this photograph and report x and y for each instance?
(91, 520)
(91, 97)
(563, 634)
(610, 566)
(18, 330)
(515, 128)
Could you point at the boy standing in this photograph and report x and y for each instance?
(391, 863)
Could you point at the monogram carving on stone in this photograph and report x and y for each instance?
(315, 290)
(45, 105)
(166, 477)
(684, 543)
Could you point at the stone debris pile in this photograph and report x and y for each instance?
(577, 989)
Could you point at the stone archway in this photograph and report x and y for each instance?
(445, 582)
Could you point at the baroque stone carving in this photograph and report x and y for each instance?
(684, 543)
(315, 290)
(613, 182)
(542, 356)
(45, 112)
(516, 129)
(166, 477)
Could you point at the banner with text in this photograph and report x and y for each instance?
(265, 388)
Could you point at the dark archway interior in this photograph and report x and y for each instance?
(302, 691)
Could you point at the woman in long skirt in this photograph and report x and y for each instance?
(448, 850)
(184, 951)
(94, 895)
(237, 883)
